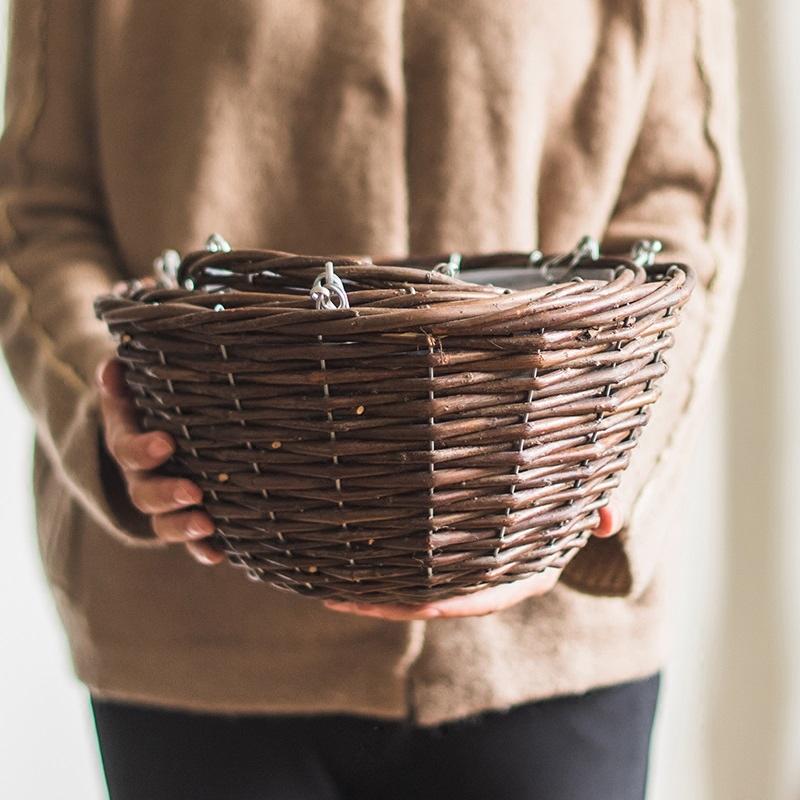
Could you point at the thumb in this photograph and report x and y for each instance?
(110, 377)
(610, 521)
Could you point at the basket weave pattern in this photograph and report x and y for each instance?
(430, 437)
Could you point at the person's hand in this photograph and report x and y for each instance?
(482, 602)
(166, 500)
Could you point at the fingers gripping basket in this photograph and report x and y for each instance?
(398, 430)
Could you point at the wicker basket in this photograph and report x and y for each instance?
(399, 430)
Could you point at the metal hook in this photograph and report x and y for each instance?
(327, 286)
(644, 252)
(535, 258)
(166, 268)
(217, 244)
(587, 248)
(451, 268)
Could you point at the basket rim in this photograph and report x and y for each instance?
(633, 285)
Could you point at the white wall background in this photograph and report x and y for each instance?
(729, 721)
(47, 744)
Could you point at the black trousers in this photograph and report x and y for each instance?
(588, 747)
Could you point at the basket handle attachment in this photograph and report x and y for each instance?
(328, 291)
(451, 268)
(217, 244)
(644, 252)
(167, 266)
(587, 249)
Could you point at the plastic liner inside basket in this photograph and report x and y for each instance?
(430, 440)
(526, 278)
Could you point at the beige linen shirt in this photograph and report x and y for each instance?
(352, 126)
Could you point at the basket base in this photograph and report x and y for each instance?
(404, 588)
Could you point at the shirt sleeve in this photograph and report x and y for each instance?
(56, 255)
(684, 186)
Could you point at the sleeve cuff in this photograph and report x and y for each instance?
(600, 568)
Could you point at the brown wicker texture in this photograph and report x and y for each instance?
(436, 437)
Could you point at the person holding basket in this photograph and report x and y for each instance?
(353, 127)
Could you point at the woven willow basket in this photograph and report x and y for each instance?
(398, 430)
